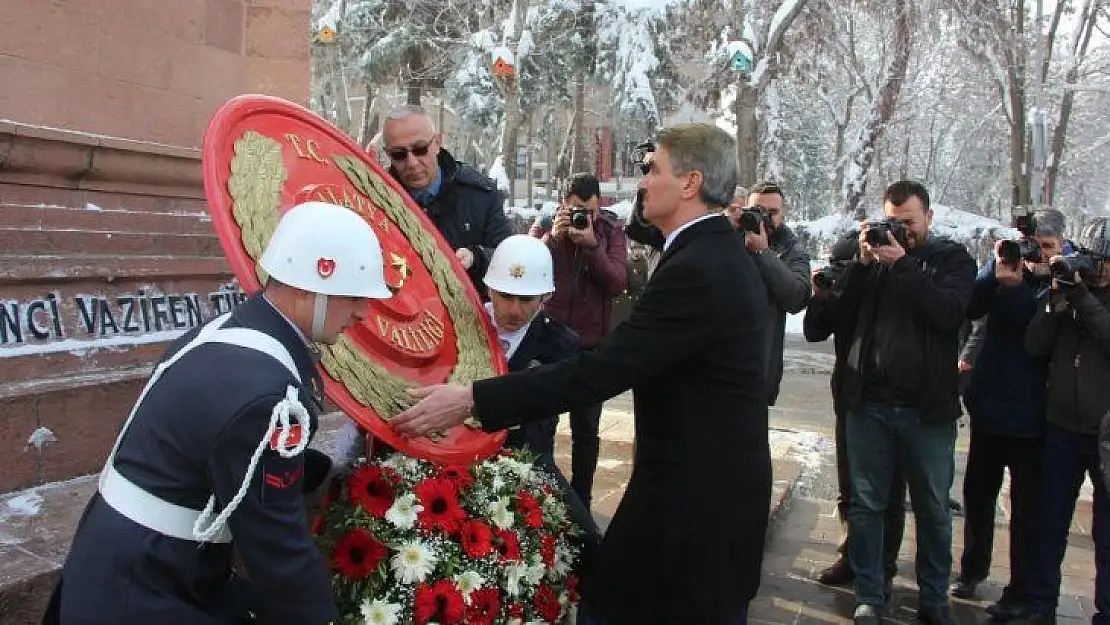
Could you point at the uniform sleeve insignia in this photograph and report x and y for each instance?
(294, 439)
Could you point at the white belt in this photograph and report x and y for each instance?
(184, 523)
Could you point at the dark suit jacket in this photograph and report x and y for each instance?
(686, 543)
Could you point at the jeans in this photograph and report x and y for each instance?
(1067, 457)
(879, 438)
(894, 520)
(585, 444)
(586, 616)
(988, 457)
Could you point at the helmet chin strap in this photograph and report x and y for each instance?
(319, 316)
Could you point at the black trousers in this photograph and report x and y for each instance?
(585, 445)
(894, 521)
(988, 456)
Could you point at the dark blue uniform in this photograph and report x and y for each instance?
(548, 341)
(193, 436)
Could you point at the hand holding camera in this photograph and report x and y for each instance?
(577, 224)
(1006, 271)
(885, 241)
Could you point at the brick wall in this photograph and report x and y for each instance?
(153, 70)
(106, 250)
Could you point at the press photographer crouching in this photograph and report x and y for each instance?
(906, 299)
(783, 266)
(1005, 400)
(1072, 328)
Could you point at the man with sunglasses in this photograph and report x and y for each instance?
(463, 203)
(784, 267)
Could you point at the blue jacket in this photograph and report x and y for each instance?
(1007, 392)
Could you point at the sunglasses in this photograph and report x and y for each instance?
(418, 150)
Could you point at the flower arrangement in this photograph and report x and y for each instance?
(411, 542)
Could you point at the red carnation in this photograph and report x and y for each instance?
(458, 475)
(572, 587)
(547, 604)
(441, 506)
(440, 602)
(529, 508)
(516, 610)
(477, 539)
(372, 488)
(547, 550)
(357, 554)
(485, 607)
(508, 545)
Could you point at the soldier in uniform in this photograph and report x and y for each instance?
(210, 466)
(520, 278)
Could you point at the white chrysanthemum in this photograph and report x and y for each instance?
(467, 583)
(402, 514)
(536, 570)
(378, 612)
(522, 470)
(500, 514)
(514, 573)
(413, 562)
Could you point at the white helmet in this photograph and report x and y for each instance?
(521, 265)
(327, 250)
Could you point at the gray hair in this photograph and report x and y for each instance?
(408, 110)
(709, 150)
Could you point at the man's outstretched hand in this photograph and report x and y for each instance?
(438, 408)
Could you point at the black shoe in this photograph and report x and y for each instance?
(1005, 611)
(1039, 619)
(888, 590)
(936, 616)
(867, 615)
(839, 573)
(963, 588)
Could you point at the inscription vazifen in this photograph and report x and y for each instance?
(420, 337)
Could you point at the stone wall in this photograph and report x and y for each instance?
(106, 250)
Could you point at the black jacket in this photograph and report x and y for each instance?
(546, 341)
(469, 212)
(1077, 341)
(194, 435)
(692, 352)
(910, 314)
(822, 321)
(1006, 393)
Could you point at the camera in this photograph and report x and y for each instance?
(878, 231)
(1022, 220)
(827, 277)
(580, 218)
(1013, 252)
(843, 252)
(640, 154)
(750, 219)
(1081, 262)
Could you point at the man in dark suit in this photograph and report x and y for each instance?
(686, 543)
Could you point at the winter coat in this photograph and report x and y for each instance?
(784, 268)
(1006, 394)
(909, 317)
(1077, 341)
(468, 211)
(587, 280)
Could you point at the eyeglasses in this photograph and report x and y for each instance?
(763, 209)
(418, 149)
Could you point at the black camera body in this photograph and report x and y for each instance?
(841, 255)
(1023, 220)
(750, 219)
(580, 218)
(827, 277)
(878, 231)
(1013, 252)
(1082, 262)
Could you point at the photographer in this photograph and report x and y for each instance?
(591, 256)
(906, 299)
(1072, 328)
(783, 265)
(1005, 400)
(822, 321)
